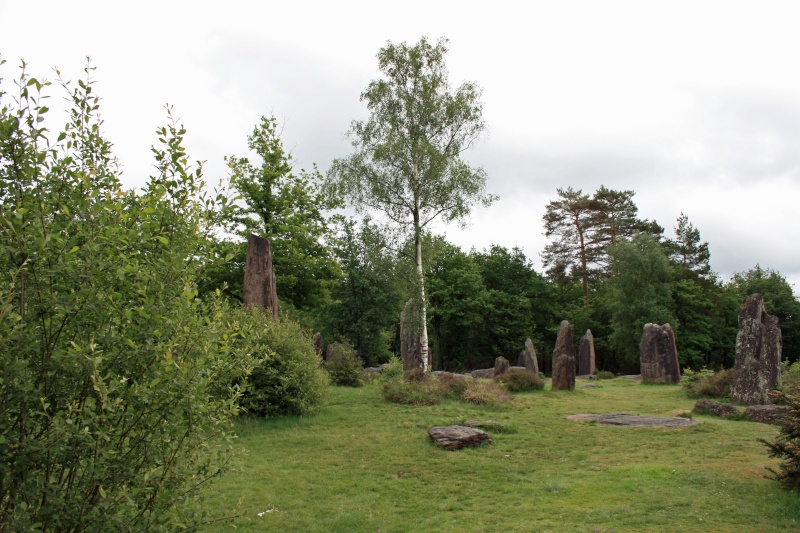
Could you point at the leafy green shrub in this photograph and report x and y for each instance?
(416, 374)
(114, 376)
(717, 385)
(452, 385)
(790, 382)
(787, 448)
(691, 377)
(392, 371)
(420, 392)
(485, 392)
(705, 382)
(520, 380)
(344, 367)
(604, 374)
(287, 378)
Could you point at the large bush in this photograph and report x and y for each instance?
(344, 367)
(113, 412)
(786, 447)
(516, 380)
(705, 382)
(287, 378)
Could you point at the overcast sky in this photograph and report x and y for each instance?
(694, 105)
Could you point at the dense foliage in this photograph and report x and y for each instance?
(114, 412)
(286, 378)
(786, 447)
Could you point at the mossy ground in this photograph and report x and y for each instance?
(364, 464)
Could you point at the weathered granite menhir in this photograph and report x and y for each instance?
(527, 357)
(564, 359)
(758, 354)
(586, 357)
(658, 355)
(501, 366)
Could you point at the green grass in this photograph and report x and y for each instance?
(364, 464)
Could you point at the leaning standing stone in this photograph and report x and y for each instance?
(659, 355)
(586, 358)
(564, 359)
(758, 354)
(527, 358)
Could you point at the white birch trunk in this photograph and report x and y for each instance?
(423, 335)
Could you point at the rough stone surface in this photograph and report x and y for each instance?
(457, 437)
(715, 408)
(329, 353)
(586, 358)
(767, 414)
(441, 373)
(319, 345)
(483, 423)
(501, 366)
(627, 419)
(410, 347)
(564, 359)
(658, 355)
(259, 277)
(486, 373)
(527, 357)
(758, 354)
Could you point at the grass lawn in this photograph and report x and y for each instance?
(364, 464)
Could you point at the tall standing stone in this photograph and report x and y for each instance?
(410, 347)
(658, 355)
(501, 366)
(586, 358)
(319, 345)
(758, 354)
(527, 358)
(564, 359)
(259, 278)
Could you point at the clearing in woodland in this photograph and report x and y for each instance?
(364, 464)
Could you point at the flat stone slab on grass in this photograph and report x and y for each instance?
(490, 424)
(457, 437)
(627, 419)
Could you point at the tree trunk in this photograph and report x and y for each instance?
(259, 278)
(423, 335)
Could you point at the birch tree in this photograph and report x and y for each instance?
(407, 162)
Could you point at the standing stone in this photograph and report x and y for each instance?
(259, 278)
(501, 366)
(329, 353)
(758, 354)
(564, 359)
(527, 358)
(410, 347)
(318, 344)
(586, 364)
(658, 355)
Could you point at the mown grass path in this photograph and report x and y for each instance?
(367, 465)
